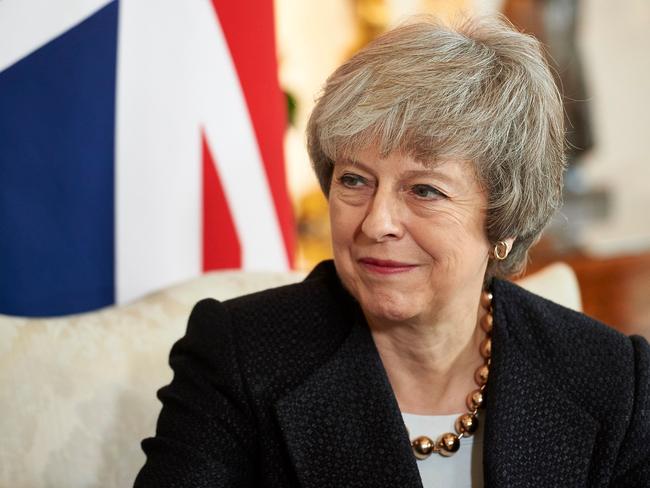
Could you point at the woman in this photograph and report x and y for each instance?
(441, 153)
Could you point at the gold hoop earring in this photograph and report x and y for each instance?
(501, 250)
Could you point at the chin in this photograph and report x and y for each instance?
(387, 308)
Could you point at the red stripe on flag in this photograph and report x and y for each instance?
(249, 29)
(221, 246)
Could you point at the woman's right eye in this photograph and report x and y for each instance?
(351, 180)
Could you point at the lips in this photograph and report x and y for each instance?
(385, 266)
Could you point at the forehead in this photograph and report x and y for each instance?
(371, 156)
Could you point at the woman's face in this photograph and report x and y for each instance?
(409, 240)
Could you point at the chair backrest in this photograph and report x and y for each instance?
(558, 283)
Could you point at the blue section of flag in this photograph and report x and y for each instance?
(57, 117)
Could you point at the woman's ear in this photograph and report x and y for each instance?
(509, 242)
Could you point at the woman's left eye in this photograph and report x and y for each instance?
(427, 192)
(351, 180)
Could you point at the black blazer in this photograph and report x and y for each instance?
(285, 388)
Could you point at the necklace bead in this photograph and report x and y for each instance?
(481, 375)
(486, 299)
(467, 424)
(486, 348)
(422, 447)
(487, 322)
(475, 400)
(448, 444)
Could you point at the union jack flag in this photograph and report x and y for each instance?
(140, 145)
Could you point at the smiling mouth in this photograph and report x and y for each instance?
(382, 266)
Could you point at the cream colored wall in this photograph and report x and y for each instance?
(445, 9)
(615, 41)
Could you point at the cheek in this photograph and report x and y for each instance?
(344, 222)
(450, 239)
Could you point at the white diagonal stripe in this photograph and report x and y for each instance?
(26, 25)
(175, 77)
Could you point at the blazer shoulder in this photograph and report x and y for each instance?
(320, 296)
(293, 328)
(591, 362)
(535, 315)
(317, 306)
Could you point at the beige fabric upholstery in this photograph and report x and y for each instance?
(77, 394)
(558, 283)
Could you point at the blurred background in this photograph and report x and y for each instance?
(143, 143)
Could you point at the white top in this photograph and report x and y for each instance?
(462, 470)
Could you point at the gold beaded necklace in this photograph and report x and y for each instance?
(467, 424)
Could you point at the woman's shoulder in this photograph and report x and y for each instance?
(322, 282)
(553, 353)
(315, 294)
(577, 352)
(534, 320)
(305, 306)
(522, 305)
(293, 328)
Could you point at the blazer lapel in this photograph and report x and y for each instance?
(343, 426)
(534, 434)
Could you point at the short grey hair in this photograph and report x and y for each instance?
(480, 91)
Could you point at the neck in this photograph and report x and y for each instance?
(430, 363)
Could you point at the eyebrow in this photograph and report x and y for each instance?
(413, 173)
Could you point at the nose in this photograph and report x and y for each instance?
(382, 222)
